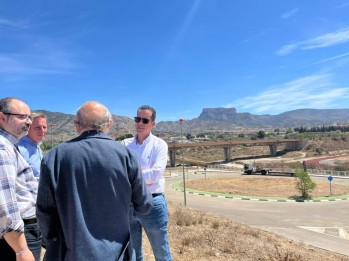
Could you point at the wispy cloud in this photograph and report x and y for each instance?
(25, 63)
(286, 49)
(180, 35)
(44, 56)
(35, 54)
(333, 58)
(315, 91)
(326, 40)
(257, 35)
(19, 24)
(289, 14)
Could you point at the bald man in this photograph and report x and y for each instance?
(86, 188)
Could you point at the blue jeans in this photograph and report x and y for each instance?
(155, 227)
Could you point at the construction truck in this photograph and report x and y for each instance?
(251, 169)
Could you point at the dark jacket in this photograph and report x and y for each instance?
(86, 187)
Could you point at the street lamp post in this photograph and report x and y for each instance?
(184, 190)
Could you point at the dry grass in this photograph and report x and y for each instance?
(263, 186)
(196, 235)
(199, 236)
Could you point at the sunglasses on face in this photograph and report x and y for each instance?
(144, 120)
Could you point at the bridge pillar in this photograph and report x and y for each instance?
(227, 153)
(173, 157)
(273, 149)
(290, 146)
(297, 145)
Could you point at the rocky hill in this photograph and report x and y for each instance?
(228, 119)
(61, 125)
(211, 120)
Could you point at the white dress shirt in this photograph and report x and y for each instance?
(152, 155)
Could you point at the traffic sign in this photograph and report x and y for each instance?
(330, 178)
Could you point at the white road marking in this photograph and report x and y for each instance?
(342, 232)
(315, 229)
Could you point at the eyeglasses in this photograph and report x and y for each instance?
(144, 120)
(19, 116)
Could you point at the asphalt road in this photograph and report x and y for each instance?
(321, 224)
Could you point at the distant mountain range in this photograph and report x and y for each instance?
(61, 127)
(211, 120)
(228, 119)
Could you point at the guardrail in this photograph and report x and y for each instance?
(223, 167)
(333, 173)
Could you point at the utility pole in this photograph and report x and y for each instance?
(184, 189)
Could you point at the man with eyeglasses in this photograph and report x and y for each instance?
(152, 152)
(29, 145)
(20, 237)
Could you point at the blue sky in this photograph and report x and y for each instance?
(262, 57)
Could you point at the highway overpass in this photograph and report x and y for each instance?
(290, 144)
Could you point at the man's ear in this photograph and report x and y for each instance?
(77, 126)
(110, 125)
(2, 116)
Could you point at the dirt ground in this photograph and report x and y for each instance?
(199, 236)
(264, 186)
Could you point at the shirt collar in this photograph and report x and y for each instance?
(146, 140)
(27, 139)
(13, 139)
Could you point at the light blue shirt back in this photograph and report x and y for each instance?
(32, 154)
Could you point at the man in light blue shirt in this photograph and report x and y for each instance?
(29, 145)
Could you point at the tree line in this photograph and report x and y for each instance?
(322, 129)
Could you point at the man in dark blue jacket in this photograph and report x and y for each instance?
(85, 190)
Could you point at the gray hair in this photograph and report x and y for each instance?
(93, 115)
(38, 115)
(147, 107)
(5, 103)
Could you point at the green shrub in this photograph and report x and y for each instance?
(304, 184)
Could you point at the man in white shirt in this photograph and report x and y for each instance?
(152, 152)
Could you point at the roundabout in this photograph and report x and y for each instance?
(324, 225)
(261, 188)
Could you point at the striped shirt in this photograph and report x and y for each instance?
(18, 186)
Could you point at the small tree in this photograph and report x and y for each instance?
(124, 136)
(304, 184)
(261, 135)
(189, 136)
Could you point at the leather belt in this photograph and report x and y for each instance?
(30, 221)
(156, 194)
